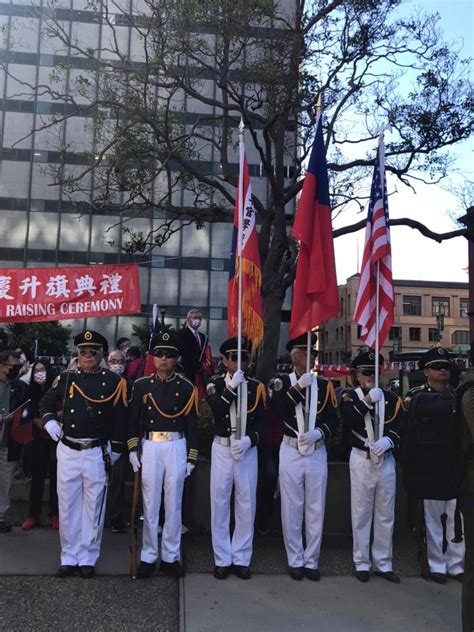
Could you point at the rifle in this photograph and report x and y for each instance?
(134, 522)
(420, 531)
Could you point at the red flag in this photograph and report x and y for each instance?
(247, 246)
(377, 248)
(315, 294)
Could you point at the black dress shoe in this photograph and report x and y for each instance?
(145, 569)
(459, 577)
(87, 572)
(5, 527)
(242, 572)
(363, 576)
(221, 572)
(173, 569)
(438, 578)
(65, 570)
(313, 574)
(296, 572)
(390, 576)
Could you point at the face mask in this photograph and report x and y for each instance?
(117, 368)
(40, 377)
(14, 372)
(22, 358)
(195, 323)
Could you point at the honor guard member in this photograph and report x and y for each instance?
(432, 466)
(90, 437)
(163, 441)
(372, 467)
(303, 467)
(234, 462)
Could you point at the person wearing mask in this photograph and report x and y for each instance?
(26, 360)
(42, 452)
(303, 467)
(196, 356)
(94, 402)
(234, 461)
(116, 363)
(432, 468)
(135, 364)
(12, 397)
(372, 467)
(163, 442)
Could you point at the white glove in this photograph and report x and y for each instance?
(114, 457)
(189, 469)
(134, 461)
(239, 447)
(307, 439)
(305, 380)
(236, 379)
(376, 394)
(381, 446)
(54, 430)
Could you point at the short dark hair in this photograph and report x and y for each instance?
(134, 352)
(7, 354)
(121, 341)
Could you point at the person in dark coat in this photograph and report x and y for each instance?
(196, 354)
(42, 451)
(12, 396)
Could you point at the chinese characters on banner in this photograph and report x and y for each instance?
(36, 294)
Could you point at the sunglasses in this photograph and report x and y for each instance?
(86, 352)
(234, 357)
(439, 367)
(165, 354)
(367, 372)
(116, 362)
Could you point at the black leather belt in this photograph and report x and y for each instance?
(83, 445)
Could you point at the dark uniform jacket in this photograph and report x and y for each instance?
(18, 390)
(168, 405)
(353, 412)
(94, 406)
(190, 352)
(431, 453)
(220, 398)
(285, 397)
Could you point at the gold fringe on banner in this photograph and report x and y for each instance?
(252, 322)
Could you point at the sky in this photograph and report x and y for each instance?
(414, 256)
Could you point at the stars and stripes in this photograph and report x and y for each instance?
(377, 250)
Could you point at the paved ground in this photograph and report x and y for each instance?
(275, 603)
(31, 599)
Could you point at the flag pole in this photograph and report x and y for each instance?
(308, 333)
(238, 426)
(377, 433)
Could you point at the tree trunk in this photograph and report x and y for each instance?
(272, 306)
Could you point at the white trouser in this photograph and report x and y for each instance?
(226, 473)
(81, 489)
(372, 498)
(451, 562)
(303, 482)
(163, 470)
(7, 470)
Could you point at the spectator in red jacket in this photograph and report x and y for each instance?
(135, 364)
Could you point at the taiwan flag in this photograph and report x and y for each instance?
(315, 293)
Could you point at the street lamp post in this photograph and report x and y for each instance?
(468, 221)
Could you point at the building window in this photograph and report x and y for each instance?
(440, 305)
(395, 333)
(218, 264)
(412, 305)
(414, 334)
(359, 330)
(463, 307)
(460, 337)
(342, 306)
(337, 333)
(432, 334)
(216, 313)
(158, 261)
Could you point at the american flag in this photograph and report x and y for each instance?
(377, 249)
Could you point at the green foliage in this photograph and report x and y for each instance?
(53, 337)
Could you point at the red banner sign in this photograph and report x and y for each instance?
(37, 294)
